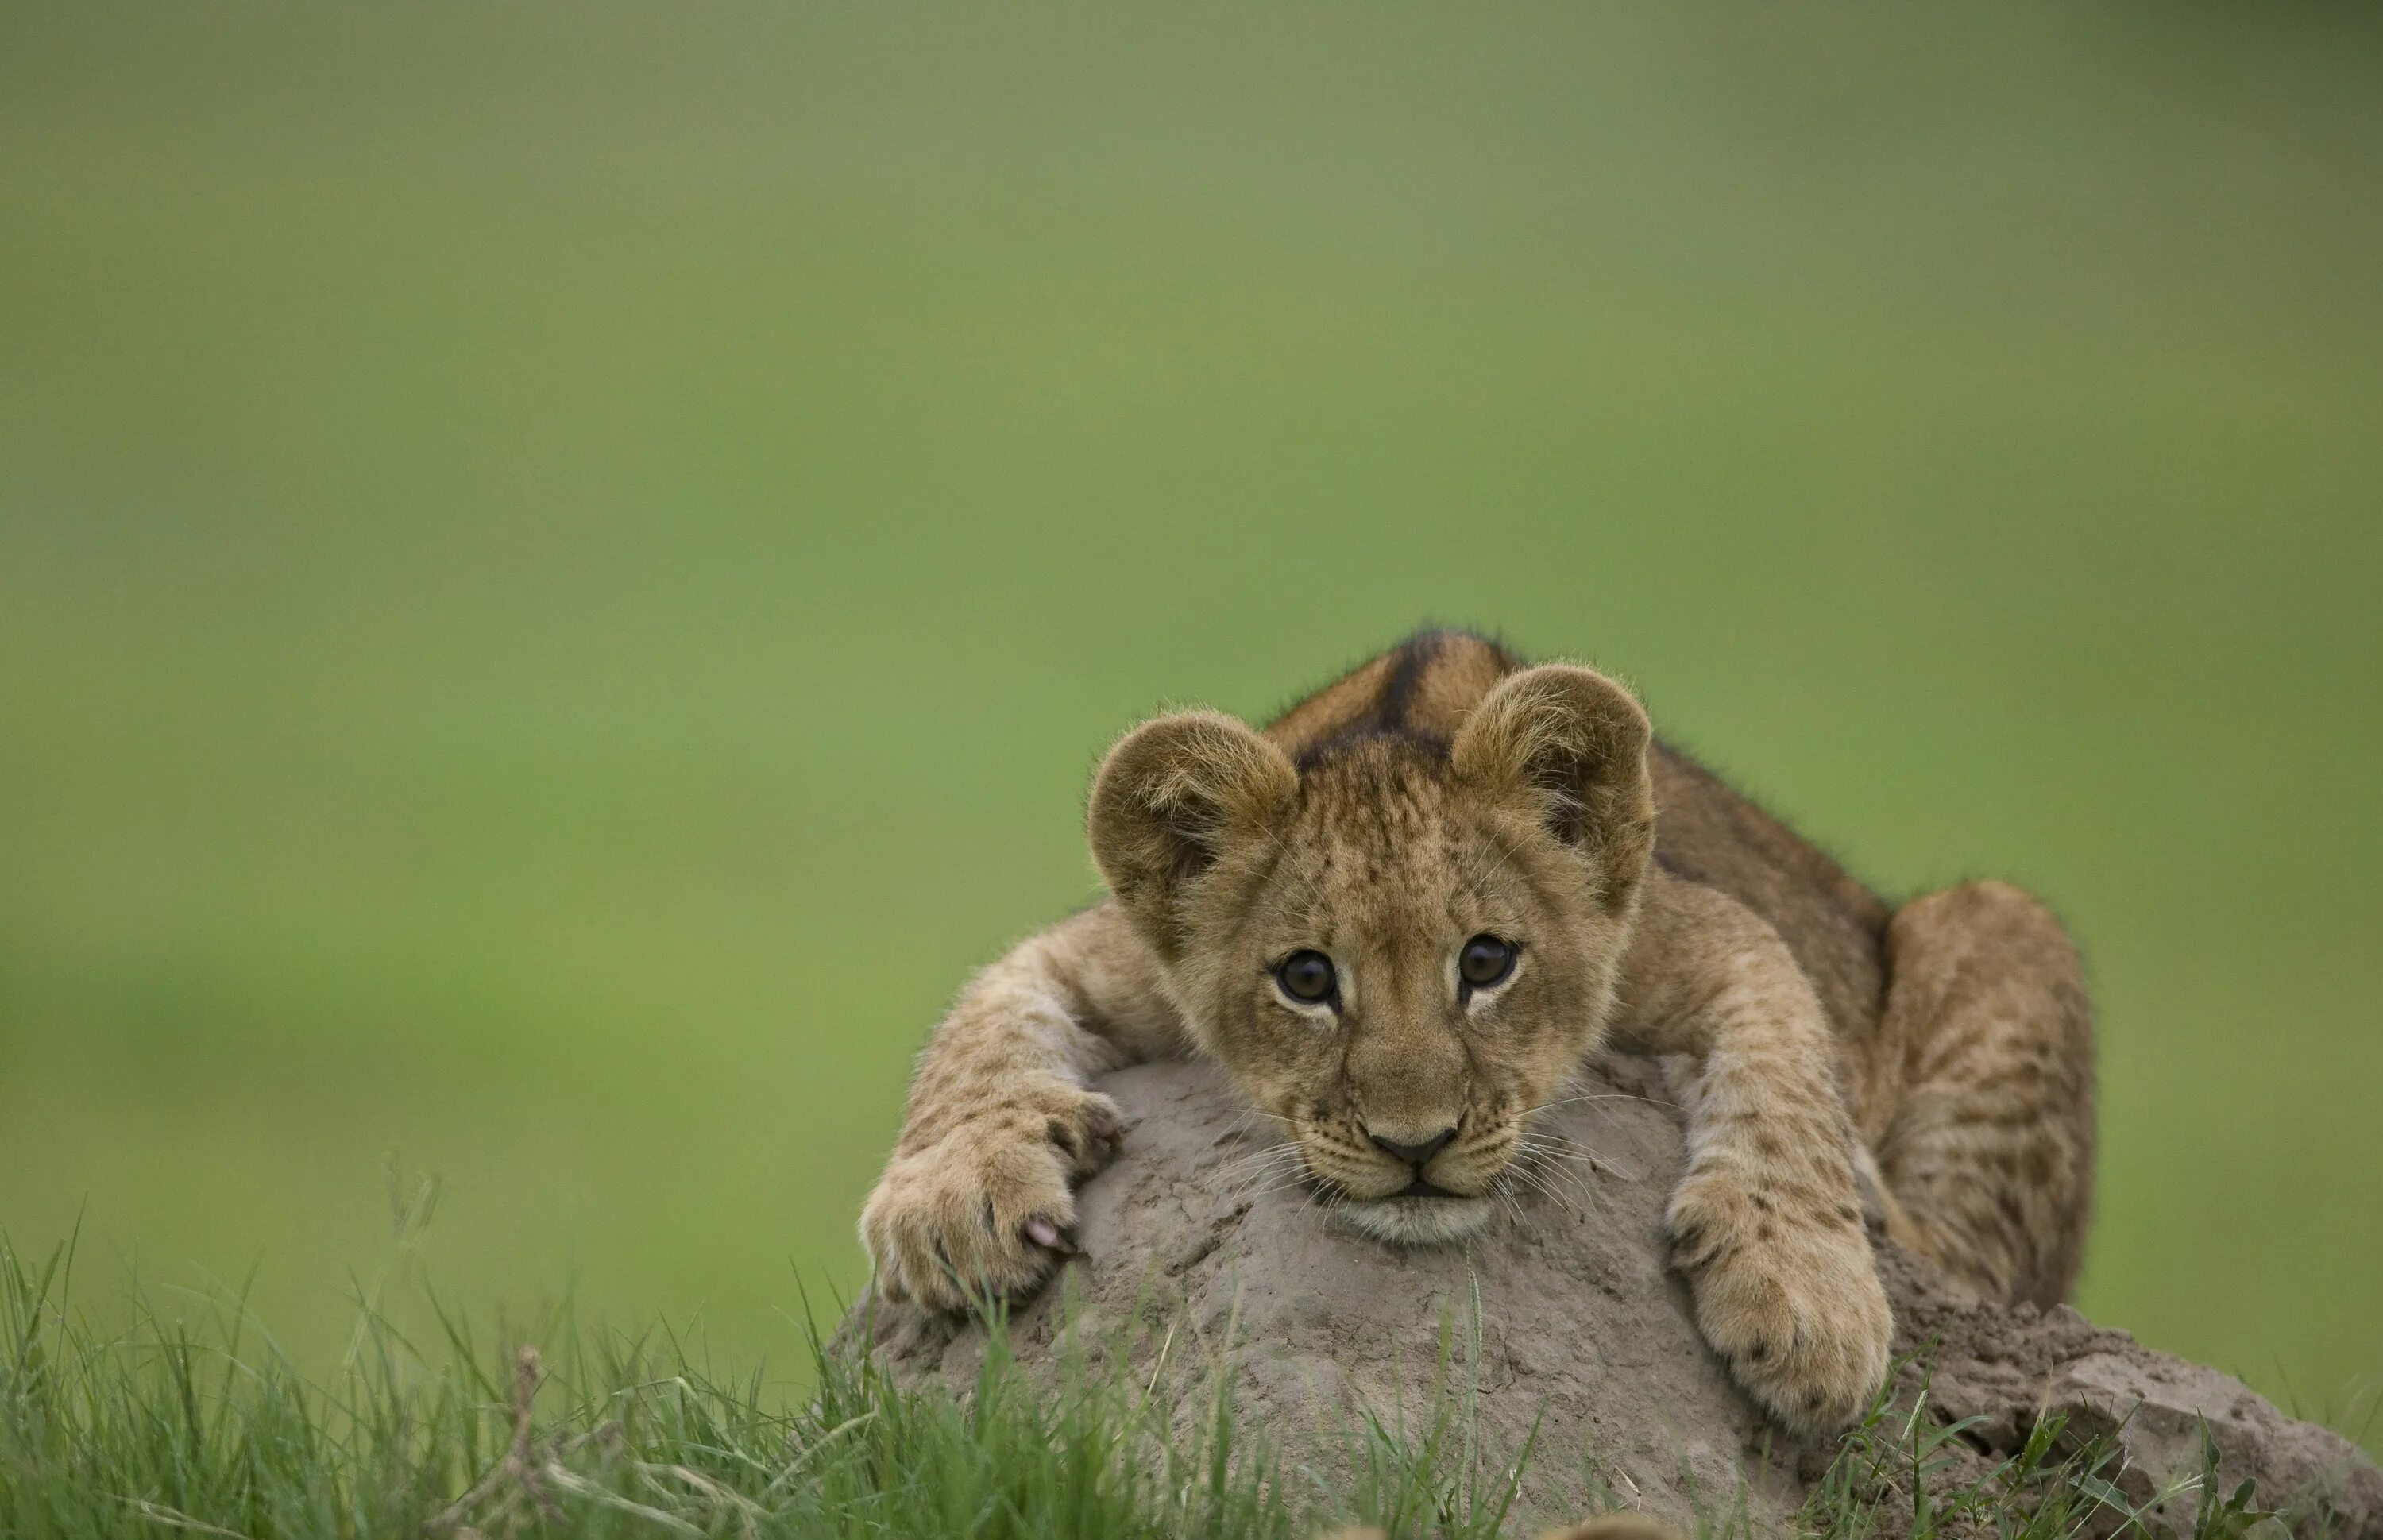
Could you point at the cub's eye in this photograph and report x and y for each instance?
(1305, 976)
(1485, 961)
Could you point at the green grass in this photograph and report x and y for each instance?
(188, 1419)
(562, 566)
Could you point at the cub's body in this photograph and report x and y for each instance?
(1402, 915)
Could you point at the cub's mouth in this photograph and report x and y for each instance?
(1419, 1215)
(1436, 1194)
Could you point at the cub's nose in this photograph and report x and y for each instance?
(1414, 1154)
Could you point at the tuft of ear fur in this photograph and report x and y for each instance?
(1168, 799)
(1577, 743)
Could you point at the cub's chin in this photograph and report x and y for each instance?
(1437, 1221)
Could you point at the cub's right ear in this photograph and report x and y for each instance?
(1169, 799)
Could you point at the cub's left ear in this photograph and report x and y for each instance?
(1575, 742)
(1170, 798)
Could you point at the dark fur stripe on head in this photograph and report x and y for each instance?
(1400, 696)
(1407, 666)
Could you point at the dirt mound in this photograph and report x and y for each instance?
(1564, 1319)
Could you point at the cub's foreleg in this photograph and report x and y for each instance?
(1766, 1224)
(1978, 1091)
(978, 1196)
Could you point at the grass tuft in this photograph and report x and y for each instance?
(191, 1420)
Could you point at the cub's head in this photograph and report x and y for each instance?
(1400, 946)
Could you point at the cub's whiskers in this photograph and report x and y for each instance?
(1602, 1096)
(1526, 1173)
(1563, 1165)
(1276, 1168)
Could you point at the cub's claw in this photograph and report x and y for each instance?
(987, 1210)
(1043, 1233)
(1089, 1137)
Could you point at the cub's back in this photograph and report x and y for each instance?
(1705, 833)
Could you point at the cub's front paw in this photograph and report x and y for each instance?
(1788, 1294)
(986, 1208)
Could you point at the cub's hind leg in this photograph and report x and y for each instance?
(1978, 1096)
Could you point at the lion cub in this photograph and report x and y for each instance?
(1403, 915)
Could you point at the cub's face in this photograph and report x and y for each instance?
(1403, 975)
(1399, 948)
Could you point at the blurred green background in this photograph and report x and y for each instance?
(562, 568)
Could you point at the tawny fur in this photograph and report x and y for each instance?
(1941, 1052)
